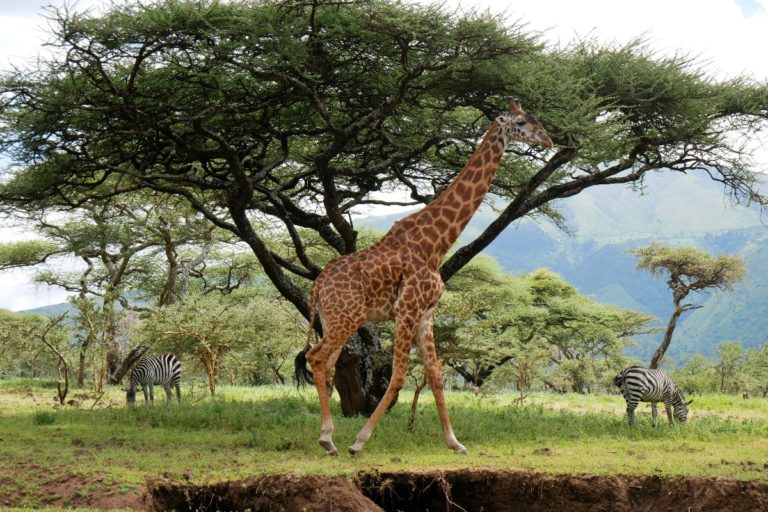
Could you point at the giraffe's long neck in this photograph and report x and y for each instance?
(438, 226)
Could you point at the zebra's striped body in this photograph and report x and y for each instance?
(640, 384)
(163, 370)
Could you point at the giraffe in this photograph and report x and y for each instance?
(398, 278)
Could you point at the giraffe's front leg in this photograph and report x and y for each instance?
(426, 343)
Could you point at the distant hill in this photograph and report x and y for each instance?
(53, 310)
(605, 222)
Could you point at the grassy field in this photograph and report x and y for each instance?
(248, 431)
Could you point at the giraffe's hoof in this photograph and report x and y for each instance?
(460, 450)
(355, 452)
(329, 448)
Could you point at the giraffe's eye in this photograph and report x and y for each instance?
(520, 122)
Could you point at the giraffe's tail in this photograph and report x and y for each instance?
(301, 373)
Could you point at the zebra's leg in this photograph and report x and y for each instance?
(151, 392)
(144, 390)
(168, 394)
(654, 413)
(668, 409)
(178, 392)
(631, 406)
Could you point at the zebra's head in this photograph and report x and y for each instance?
(681, 408)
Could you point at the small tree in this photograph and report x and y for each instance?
(730, 366)
(756, 369)
(209, 327)
(698, 375)
(53, 336)
(20, 351)
(688, 270)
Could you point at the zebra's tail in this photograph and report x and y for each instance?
(301, 373)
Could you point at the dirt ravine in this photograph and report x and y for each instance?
(469, 490)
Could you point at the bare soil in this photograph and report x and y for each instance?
(31, 484)
(465, 490)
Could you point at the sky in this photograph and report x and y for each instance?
(728, 37)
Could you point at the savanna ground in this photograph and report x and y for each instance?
(104, 455)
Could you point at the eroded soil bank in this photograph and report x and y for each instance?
(470, 490)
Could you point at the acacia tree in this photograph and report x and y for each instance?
(687, 270)
(210, 327)
(116, 242)
(300, 112)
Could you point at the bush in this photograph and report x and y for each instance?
(43, 418)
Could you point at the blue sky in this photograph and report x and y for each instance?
(729, 37)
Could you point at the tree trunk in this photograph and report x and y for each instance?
(210, 370)
(133, 356)
(81, 369)
(415, 403)
(664, 345)
(110, 338)
(362, 373)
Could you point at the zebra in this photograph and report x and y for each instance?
(640, 384)
(164, 369)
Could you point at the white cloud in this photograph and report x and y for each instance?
(20, 292)
(717, 30)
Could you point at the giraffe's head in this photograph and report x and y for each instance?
(521, 126)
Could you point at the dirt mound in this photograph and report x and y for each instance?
(467, 490)
(278, 493)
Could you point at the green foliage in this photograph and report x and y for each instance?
(730, 366)
(21, 351)
(756, 370)
(25, 253)
(249, 333)
(736, 370)
(537, 324)
(697, 375)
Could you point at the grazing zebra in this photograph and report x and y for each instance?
(164, 369)
(640, 384)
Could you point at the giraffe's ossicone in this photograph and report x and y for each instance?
(398, 278)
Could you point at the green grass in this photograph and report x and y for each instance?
(247, 431)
